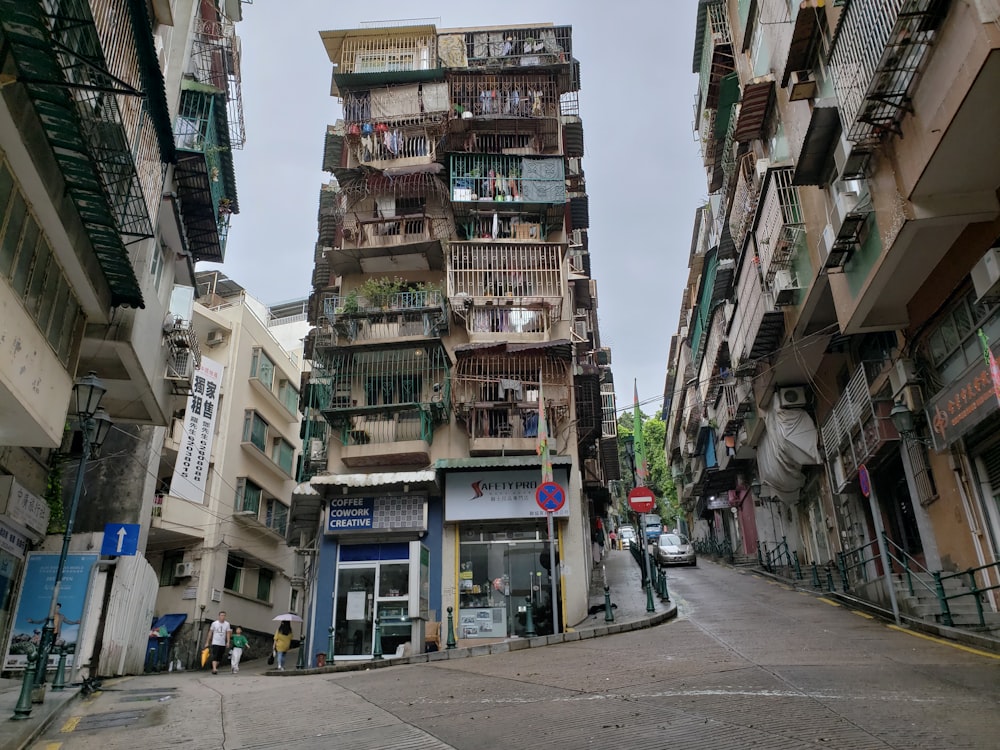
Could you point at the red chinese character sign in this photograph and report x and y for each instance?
(642, 500)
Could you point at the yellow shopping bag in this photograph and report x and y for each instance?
(204, 656)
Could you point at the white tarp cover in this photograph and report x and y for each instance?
(790, 442)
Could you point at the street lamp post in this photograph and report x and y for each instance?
(95, 425)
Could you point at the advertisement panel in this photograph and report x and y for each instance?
(33, 606)
(191, 469)
(486, 495)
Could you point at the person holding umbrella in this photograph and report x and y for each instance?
(283, 637)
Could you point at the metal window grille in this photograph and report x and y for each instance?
(516, 270)
(388, 54)
(523, 96)
(215, 60)
(387, 380)
(480, 379)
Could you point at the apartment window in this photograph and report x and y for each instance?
(264, 579)
(954, 342)
(234, 573)
(255, 430)
(262, 368)
(156, 266)
(283, 454)
(277, 516)
(289, 396)
(293, 601)
(248, 496)
(170, 560)
(27, 260)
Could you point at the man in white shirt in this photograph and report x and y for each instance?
(219, 633)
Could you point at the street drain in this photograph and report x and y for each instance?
(108, 720)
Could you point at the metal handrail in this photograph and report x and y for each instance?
(860, 560)
(974, 590)
(906, 562)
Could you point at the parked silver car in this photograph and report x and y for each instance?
(626, 536)
(674, 549)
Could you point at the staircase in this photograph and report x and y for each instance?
(923, 603)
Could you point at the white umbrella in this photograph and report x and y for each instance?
(289, 616)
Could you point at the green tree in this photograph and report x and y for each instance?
(659, 478)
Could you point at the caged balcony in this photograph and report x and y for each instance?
(385, 404)
(523, 280)
(508, 184)
(206, 182)
(382, 54)
(857, 428)
(520, 47)
(496, 390)
(404, 316)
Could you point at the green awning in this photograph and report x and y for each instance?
(152, 78)
(729, 94)
(26, 34)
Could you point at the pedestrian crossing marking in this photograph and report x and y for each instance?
(70, 724)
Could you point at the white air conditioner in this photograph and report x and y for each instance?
(317, 449)
(784, 288)
(184, 570)
(215, 337)
(762, 166)
(902, 375)
(792, 398)
(180, 365)
(986, 274)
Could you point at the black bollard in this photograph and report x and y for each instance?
(609, 615)
(451, 642)
(22, 710)
(59, 681)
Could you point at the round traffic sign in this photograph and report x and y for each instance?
(550, 497)
(865, 480)
(642, 499)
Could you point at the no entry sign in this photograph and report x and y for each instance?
(642, 500)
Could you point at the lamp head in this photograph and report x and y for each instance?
(88, 392)
(902, 418)
(755, 487)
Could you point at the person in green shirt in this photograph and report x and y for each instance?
(239, 643)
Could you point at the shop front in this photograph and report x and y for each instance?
(503, 564)
(375, 563)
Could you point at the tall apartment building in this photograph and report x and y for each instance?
(219, 542)
(452, 296)
(117, 124)
(830, 372)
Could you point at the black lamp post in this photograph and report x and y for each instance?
(95, 424)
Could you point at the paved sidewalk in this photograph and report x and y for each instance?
(620, 570)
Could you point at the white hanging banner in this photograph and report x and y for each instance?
(191, 469)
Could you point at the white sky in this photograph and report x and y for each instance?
(643, 169)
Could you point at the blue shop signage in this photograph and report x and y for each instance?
(350, 513)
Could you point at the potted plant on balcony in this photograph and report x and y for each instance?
(380, 291)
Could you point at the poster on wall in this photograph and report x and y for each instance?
(36, 597)
(195, 453)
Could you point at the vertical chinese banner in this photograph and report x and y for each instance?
(191, 469)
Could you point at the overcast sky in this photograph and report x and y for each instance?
(644, 174)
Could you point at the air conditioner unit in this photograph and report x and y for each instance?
(184, 570)
(180, 365)
(317, 449)
(784, 288)
(803, 86)
(986, 274)
(762, 166)
(215, 337)
(792, 398)
(902, 375)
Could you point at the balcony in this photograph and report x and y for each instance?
(382, 401)
(744, 205)
(508, 185)
(518, 47)
(522, 276)
(758, 323)
(405, 316)
(736, 401)
(176, 522)
(206, 182)
(858, 427)
(496, 391)
(371, 55)
(779, 225)
(402, 438)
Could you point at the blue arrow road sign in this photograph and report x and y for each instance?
(120, 539)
